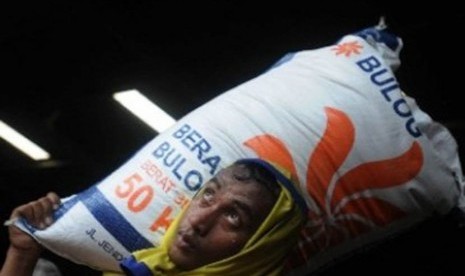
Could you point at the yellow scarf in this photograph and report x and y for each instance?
(263, 254)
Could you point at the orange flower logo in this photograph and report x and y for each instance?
(345, 206)
(347, 48)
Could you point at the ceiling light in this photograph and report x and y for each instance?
(20, 142)
(146, 110)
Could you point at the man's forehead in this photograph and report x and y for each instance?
(232, 175)
(234, 172)
(223, 177)
(227, 172)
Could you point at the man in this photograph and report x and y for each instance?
(242, 222)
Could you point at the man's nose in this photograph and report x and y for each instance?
(202, 219)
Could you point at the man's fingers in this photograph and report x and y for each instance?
(55, 199)
(24, 211)
(42, 209)
(39, 213)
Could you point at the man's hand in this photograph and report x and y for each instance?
(39, 214)
(24, 251)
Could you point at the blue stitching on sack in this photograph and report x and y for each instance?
(112, 220)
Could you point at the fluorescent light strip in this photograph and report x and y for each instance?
(20, 142)
(146, 110)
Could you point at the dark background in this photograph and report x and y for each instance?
(61, 61)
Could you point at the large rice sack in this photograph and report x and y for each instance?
(370, 163)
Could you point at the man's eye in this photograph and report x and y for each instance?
(208, 195)
(233, 218)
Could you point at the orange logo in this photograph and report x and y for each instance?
(348, 48)
(345, 206)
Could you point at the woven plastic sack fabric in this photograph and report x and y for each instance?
(369, 162)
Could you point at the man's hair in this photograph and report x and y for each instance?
(250, 171)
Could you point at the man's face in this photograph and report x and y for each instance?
(220, 220)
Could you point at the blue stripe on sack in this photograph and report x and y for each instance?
(112, 220)
(130, 266)
(64, 208)
(106, 214)
(380, 36)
